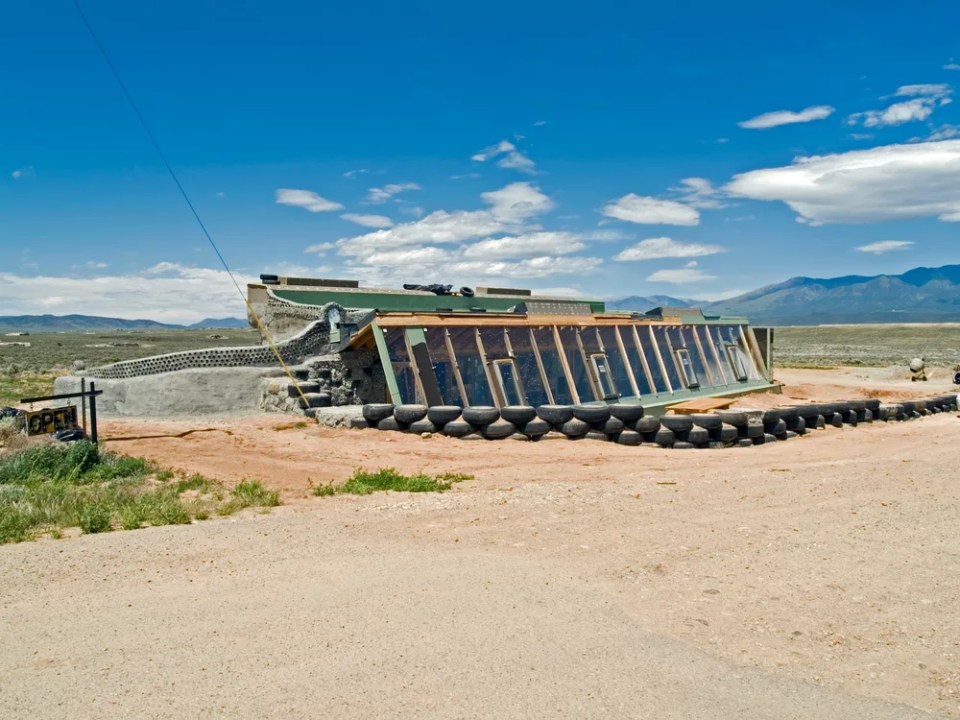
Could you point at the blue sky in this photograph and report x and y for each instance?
(695, 150)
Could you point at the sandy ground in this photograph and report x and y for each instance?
(814, 578)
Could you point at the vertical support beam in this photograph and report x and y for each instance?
(516, 373)
(588, 366)
(565, 365)
(83, 404)
(456, 367)
(420, 355)
(93, 412)
(643, 361)
(663, 367)
(421, 395)
(392, 387)
(626, 361)
(488, 370)
(751, 341)
(673, 356)
(711, 375)
(541, 368)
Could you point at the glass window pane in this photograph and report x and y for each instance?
(733, 336)
(506, 377)
(474, 374)
(552, 365)
(442, 367)
(400, 360)
(666, 352)
(699, 364)
(578, 369)
(638, 355)
(615, 361)
(527, 368)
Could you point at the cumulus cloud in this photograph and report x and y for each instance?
(23, 172)
(307, 200)
(681, 276)
(879, 248)
(95, 265)
(944, 132)
(374, 221)
(700, 193)
(952, 66)
(376, 196)
(786, 117)
(497, 243)
(891, 182)
(645, 210)
(167, 292)
(664, 247)
(516, 246)
(925, 98)
(320, 248)
(509, 157)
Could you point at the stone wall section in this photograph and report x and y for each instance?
(311, 341)
(351, 378)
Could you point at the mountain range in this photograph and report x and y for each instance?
(918, 295)
(82, 323)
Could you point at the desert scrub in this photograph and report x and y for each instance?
(52, 486)
(364, 482)
(16, 383)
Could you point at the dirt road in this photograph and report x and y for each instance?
(814, 578)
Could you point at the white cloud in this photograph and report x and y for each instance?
(307, 200)
(540, 123)
(879, 248)
(465, 176)
(354, 173)
(414, 210)
(516, 246)
(681, 276)
(374, 221)
(700, 193)
(510, 157)
(320, 248)
(537, 267)
(925, 98)
(167, 292)
(375, 196)
(944, 132)
(891, 182)
(517, 201)
(787, 117)
(952, 66)
(221, 194)
(409, 257)
(95, 264)
(651, 211)
(23, 172)
(664, 247)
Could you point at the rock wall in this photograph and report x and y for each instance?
(350, 378)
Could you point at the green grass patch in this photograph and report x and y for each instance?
(16, 384)
(364, 482)
(52, 486)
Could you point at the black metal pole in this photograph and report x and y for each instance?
(83, 403)
(93, 413)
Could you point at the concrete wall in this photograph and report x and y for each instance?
(186, 392)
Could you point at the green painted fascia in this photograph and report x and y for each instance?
(389, 302)
(387, 365)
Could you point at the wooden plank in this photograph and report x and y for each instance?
(699, 405)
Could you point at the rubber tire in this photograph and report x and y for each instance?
(744, 442)
(499, 429)
(555, 414)
(389, 423)
(708, 421)
(778, 427)
(422, 426)
(574, 428)
(627, 413)
(728, 433)
(612, 426)
(591, 414)
(647, 424)
(684, 445)
(440, 415)
(480, 415)
(754, 431)
(536, 429)
(458, 428)
(737, 418)
(597, 435)
(629, 437)
(407, 414)
(375, 412)
(665, 437)
(519, 415)
(698, 436)
(836, 419)
(677, 423)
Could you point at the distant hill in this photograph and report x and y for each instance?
(918, 295)
(642, 304)
(85, 323)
